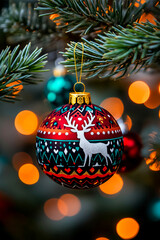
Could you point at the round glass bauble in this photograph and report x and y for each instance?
(58, 88)
(79, 146)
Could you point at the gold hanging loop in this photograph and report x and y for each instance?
(79, 81)
(79, 97)
(84, 87)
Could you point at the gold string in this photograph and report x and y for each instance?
(80, 75)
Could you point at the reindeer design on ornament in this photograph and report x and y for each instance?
(88, 148)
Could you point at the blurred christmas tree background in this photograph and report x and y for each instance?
(31, 205)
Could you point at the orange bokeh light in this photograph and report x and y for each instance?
(28, 174)
(113, 185)
(127, 228)
(17, 88)
(128, 123)
(137, 3)
(154, 165)
(147, 17)
(114, 106)
(26, 122)
(53, 16)
(139, 92)
(20, 158)
(154, 100)
(102, 238)
(69, 205)
(51, 209)
(153, 154)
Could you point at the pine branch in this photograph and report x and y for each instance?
(152, 149)
(21, 17)
(19, 67)
(121, 51)
(155, 9)
(85, 16)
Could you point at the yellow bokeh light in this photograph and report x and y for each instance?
(127, 228)
(28, 174)
(26, 122)
(139, 92)
(114, 106)
(51, 209)
(20, 158)
(69, 205)
(113, 185)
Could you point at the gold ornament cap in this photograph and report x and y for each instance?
(79, 98)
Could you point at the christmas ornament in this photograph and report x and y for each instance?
(79, 145)
(58, 87)
(131, 158)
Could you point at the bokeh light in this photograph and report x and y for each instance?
(127, 228)
(147, 17)
(113, 185)
(59, 71)
(153, 154)
(51, 209)
(20, 158)
(17, 88)
(154, 164)
(137, 3)
(28, 174)
(139, 92)
(154, 210)
(114, 106)
(102, 238)
(69, 205)
(154, 100)
(53, 16)
(26, 122)
(128, 123)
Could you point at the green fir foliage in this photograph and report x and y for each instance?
(86, 16)
(19, 65)
(120, 51)
(21, 18)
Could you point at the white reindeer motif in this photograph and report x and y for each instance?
(88, 148)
